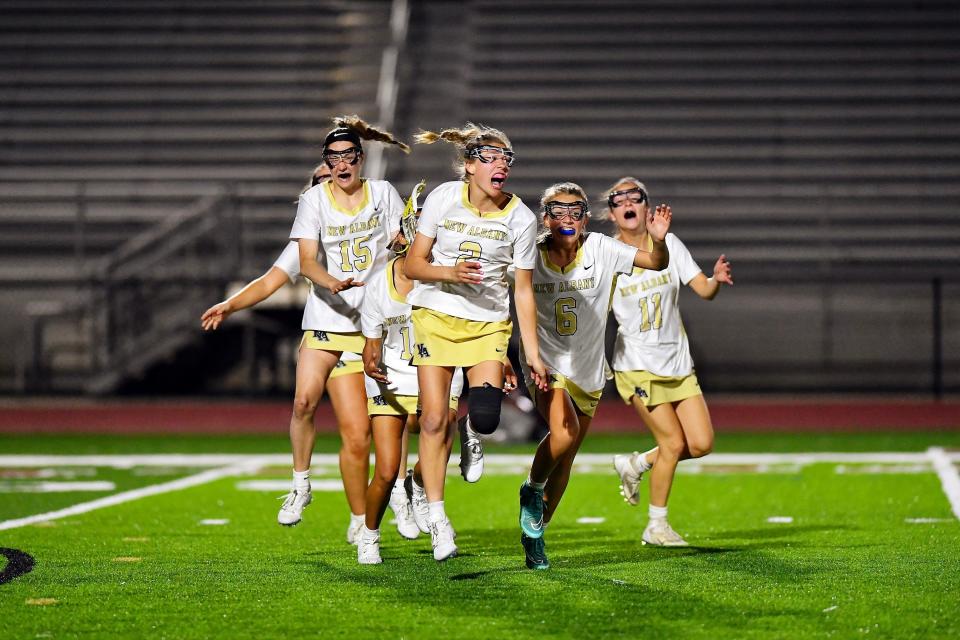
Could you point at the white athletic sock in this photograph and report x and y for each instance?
(437, 514)
(536, 485)
(640, 461)
(301, 480)
(657, 513)
(357, 519)
(398, 485)
(369, 534)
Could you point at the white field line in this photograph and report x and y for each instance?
(601, 459)
(949, 478)
(203, 477)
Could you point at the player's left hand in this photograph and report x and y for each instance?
(722, 272)
(658, 222)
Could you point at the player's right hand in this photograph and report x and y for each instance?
(212, 317)
(336, 286)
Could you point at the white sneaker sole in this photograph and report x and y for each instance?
(621, 463)
(441, 553)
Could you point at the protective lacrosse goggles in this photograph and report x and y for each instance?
(619, 198)
(573, 210)
(351, 156)
(487, 153)
(408, 221)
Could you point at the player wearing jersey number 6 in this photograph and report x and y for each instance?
(571, 283)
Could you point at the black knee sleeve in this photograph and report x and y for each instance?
(484, 408)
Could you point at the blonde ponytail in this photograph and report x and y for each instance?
(368, 132)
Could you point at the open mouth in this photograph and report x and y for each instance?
(498, 179)
(629, 215)
(344, 175)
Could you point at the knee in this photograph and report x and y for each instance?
(433, 425)
(386, 476)
(567, 433)
(671, 449)
(698, 449)
(304, 406)
(484, 408)
(356, 443)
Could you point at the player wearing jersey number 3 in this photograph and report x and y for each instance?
(652, 363)
(571, 283)
(474, 231)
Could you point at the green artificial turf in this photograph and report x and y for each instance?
(848, 565)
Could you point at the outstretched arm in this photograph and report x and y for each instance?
(707, 288)
(254, 292)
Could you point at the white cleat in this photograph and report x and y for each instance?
(353, 532)
(661, 534)
(403, 513)
(471, 451)
(368, 551)
(442, 535)
(291, 511)
(418, 503)
(629, 477)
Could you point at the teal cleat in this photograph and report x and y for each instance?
(531, 510)
(534, 550)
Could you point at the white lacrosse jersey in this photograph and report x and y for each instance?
(651, 336)
(573, 304)
(461, 233)
(289, 262)
(353, 244)
(385, 314)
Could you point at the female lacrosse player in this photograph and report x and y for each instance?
(571, 283)
(393, 394)
(651, 362)
(349, 222)
(473, 230)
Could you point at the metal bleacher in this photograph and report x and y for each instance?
(815, 143)
(117, 116)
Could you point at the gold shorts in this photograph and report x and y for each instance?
(653, 389)
(585, 401)
(390, 404)
(346, 368)
(330, 341)
(447, 341)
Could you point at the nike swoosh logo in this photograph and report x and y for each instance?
(500, 350)
(590, 267)
(536, 526)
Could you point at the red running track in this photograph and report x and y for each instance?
(220, 417)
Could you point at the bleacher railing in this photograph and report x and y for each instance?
(140, 301)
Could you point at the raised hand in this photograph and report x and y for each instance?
(722, 272)
(658, 222)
